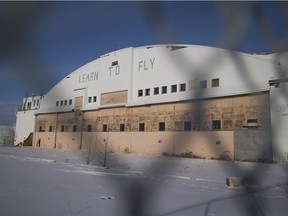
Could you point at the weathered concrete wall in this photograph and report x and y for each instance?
(206, 144)
(253, 145)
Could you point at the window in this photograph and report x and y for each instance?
(40, 129)
(38, 101)
(193, 84)
(105, 128)
(94, 98)
(215, 82)
(216, 124)
(34, 103)
(62, 128)
(65, 102)
(173, 88)
(122, 127)
(140, 93)
(187, 126)
(156, 90)
(57, 103)
(252, 122)
(61, 103)
(164, 89)
(70, 102)
(182, 87)
(89, 128)
(141, 126)
(29, 105)
(89, 99)
(161, 126)
(50, 128)
(114, 63)
(147, 92)
(203, 84)
(74, 128)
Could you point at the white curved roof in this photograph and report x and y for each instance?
(147, 68)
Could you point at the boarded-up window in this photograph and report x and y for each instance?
(114, 97)
(193, 84)
(78, 102)
(215, 83)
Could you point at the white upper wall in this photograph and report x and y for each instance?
(148, 67)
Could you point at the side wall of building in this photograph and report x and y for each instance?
(204, 127)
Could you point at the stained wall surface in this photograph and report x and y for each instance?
(174, 128)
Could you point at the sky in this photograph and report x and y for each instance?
(42, 42)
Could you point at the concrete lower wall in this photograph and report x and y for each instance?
(253, 145)
(205, 144)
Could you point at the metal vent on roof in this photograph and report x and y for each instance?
(176, 47)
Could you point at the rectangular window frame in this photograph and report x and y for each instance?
(140, 93)
(215, 83)
(173, 88)
(74, 129)
(89, 128)
(164, 90)
(105, 127)
(156, 91)
(203, 84)
(182, 87)
(147, 92)
(141, 126)
(162, 126)
(187, 126)
(216, 124)
(122, 127)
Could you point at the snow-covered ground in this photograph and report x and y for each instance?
(52, 182)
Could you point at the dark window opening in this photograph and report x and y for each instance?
(89, 99)
(141, 126)
(57, 103)
(173, 88)
(114, 63)
(50, 128)
(62, 128)
(40, 129)
(74, 128)
(187, 126)
(164, 89)
(140, 93)
(94, 98)
(161, 126)
(89, 128)
(216, 124)
(252, 123)
(65, 102)
(182, 87)
(70, 102)
(156, 90)
(61, 103)
(147, 92)
(105, 128)
(122, 127)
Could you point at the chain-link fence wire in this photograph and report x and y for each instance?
(15, 22)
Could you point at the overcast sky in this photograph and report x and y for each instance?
(42, 42)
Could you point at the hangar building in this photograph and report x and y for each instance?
(167, 99)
